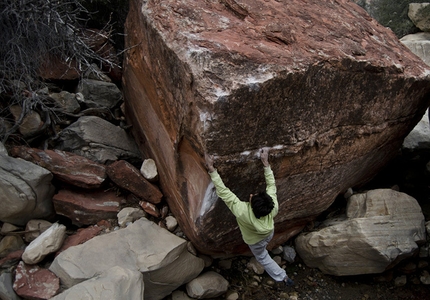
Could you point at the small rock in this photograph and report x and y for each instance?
(207, 259)
(349, 192)
(255, 266)
(278, 250)
(400, 281)
(231, 295)
(207, 285)
(48, 242)
(149, 170)
(35, 228)
(33, 282)
(278, 260)
(425, 278)
(129, 214)
(289, 254)
(171, 223)
(7, 227)
(150, 208)
(11, 259)
(9, 244)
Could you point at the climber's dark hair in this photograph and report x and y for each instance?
(262, 204)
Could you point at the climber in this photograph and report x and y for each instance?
(255, 218)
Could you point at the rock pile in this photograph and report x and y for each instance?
(82, 215)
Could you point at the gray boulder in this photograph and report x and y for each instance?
(381, 228)
(25, 191)
(98, 140)
(160, 256)
(99, 93)
(114, 283)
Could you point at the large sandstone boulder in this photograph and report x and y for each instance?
(381, 228)
(331, 91)
(160, 256)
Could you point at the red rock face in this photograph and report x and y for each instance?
(87, 208)
(67, 167)
(33, 282)
(128, 177)
(331, 91)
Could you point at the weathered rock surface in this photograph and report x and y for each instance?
(67, 167)
(419, 14)
(164, 261)
(34, 228)
(331, 91)
(98, 140)
(129, 214)
(9, 244)
(25, 191)
(207, 285)
(48, 242)
(419, 137)
(81, 236)
(381, 228)
(33, 282)
(114, 283)
(419, 44)
(6, 288)
(87, 208)
(99, 93)
(128, 177)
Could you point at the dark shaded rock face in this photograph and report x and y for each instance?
(331, 91)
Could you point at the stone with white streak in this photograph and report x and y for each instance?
(381, 228)
(207, 285)
(48, 242)
(164, 262)
(114, 283)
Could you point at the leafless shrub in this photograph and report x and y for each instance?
(32, 32)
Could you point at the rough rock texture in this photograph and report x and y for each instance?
(114, 283)
(25, 191)
(419, 44)
(98, 140)
(87, 208)
(48, 242)
(68, 167)
(419, 14)
(207, 285)
(128, 177)
(381, 228)
(331, 91)
(33, 282)
(164, 262)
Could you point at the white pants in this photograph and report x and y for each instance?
(262, 255)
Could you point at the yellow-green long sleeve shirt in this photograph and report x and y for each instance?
(253, 230)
